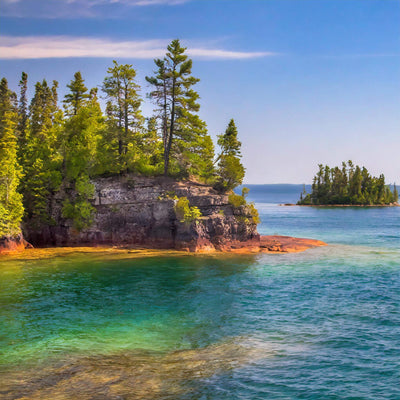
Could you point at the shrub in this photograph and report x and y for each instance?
(236, 200)
(184, 212)
(254, 213)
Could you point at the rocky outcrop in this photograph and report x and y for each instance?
(136, 211)
(133, 211)
(10, 244)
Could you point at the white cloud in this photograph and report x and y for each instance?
(35, 47)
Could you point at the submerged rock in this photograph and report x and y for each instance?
(131, 375)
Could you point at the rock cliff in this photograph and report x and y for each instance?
(140, 211)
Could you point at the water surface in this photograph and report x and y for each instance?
(323, 324)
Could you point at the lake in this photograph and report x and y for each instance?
(323, 324)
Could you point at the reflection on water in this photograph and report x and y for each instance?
(131, 375)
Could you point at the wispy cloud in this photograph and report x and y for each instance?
(35, 47)
(360, 55)
(73, 8)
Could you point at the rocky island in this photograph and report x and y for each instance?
(75, 176)
(140, 212)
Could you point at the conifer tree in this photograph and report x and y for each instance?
(82, 133)
(11, 209)
(349, 185)
(395, 194)
(230, 169)
(77, 96)
(123, 112)
(23, 113)
(184, 133)
(42, 159)
(160, 96)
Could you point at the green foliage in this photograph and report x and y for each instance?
(350, 185)
(80, 140)
(77, 97)
(187, 148)
(184, 212)
(80, 210)
(245, 191)
(395, 194)
(168, 195)
(253, 213)
(236, 200)
(59, 152)
(11, 209)
(42, 159)
(230, 171)
(229, 142)
(124, 118)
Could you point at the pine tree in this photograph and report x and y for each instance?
(160, 96)
(184, 133)
(82, 133)
(23, 113)
(77, 97)
(11, 208)
(228, 142)
(395, 194)
(124, 103)
(42, 159)
(230, 170)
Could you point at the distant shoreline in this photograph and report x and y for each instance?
(340, 205)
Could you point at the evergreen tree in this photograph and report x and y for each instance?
(230, 170)
(82, 133)
(149, 155)
(11, 209)
(228, 142)
(160, 96)
(77, 97)
(349, 185)
(42, 159)
(395, 194)
(184, 133)
(123, 106)
(23, 113)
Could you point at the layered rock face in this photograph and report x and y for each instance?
(134, 210)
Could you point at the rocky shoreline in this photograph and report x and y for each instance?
(265, 244)
(140, 212)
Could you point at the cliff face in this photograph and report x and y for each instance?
(134, 210)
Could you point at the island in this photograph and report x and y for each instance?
(349, 185)
(78, 176)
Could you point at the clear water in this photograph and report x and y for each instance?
(323, 324)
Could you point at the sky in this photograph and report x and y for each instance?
(306, 81)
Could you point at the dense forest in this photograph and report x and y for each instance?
(348, 185)
(46, 147)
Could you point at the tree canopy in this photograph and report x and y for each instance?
(50, 154)
(348, 185)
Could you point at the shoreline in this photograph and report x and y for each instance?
(272, 244)
(340, 205)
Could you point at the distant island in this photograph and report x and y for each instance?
(349, 185)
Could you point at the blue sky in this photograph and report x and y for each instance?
(307, 81)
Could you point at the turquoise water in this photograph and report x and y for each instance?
(323, 324)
